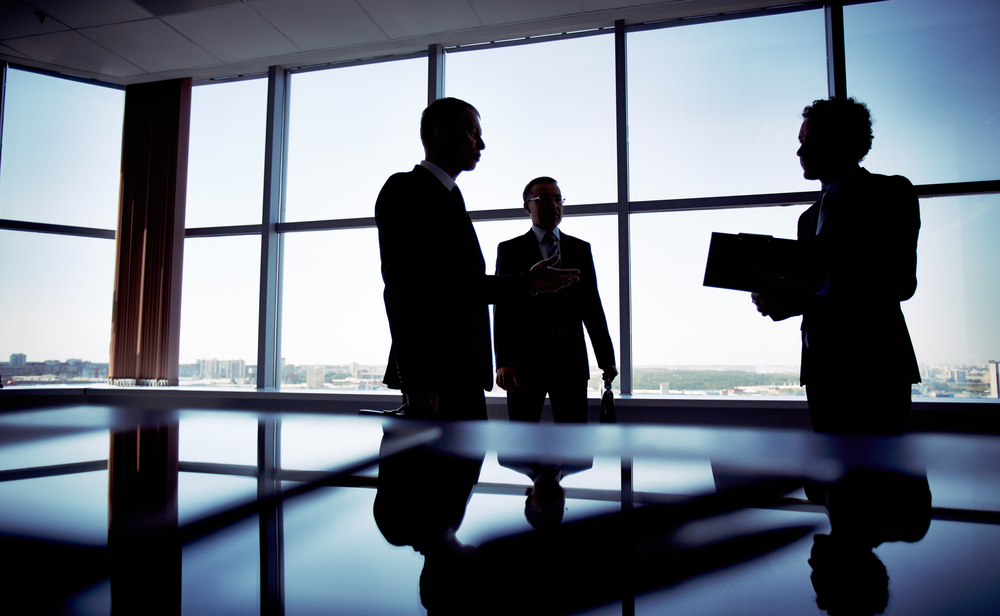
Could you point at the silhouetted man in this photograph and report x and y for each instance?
(436, 288)
(539, 340)
(860, 257)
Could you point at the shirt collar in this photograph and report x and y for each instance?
(439, 174)
(834, 187)
(540, 233)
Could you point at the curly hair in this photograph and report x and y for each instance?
(848, 119)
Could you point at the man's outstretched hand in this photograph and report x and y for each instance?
(546, 279)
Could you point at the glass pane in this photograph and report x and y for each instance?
(219, 306)
(930, 71)
(55, 307)
(714, 109)
(334, 332)
(226, 159)
(61, 151)
(350, 129)
(220, 438)
(547, 109)
(688, 338)
(952, 316)
(602, 234)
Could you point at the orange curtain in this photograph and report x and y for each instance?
(145, 333)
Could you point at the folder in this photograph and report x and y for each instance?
(737, 261)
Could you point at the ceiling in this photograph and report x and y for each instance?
(135, 41)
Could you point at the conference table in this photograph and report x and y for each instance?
(106, 509)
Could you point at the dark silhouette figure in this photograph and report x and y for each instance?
(545, 500)
(859, 243)
(436, 288)
(538, 340)
(569, 567)
(867, 508)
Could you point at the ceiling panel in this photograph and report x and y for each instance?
(320, 24)
(85, 13)
(603, 5)
(495, 12)
(71, 50)
(17, 19)
(151, 45)
(232, 33)
(173, 7)
(428, 17)
(10, 51)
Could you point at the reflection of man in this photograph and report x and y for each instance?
(545, 500)
(436, 289)
(860, 242)
(539, 341)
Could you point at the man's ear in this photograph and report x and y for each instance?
(527, 208)
(441, 132)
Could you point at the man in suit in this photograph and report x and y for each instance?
(859, 243)
(436, 288)
(539, 340)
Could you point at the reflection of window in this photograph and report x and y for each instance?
(548, 109)
(349, 129)
(219, 312)
(334, 333)
(226, 159)
(929, 71)
(61, 151)
(713, 108)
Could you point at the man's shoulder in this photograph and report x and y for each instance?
(514, 243)
(877, 181)
(417, 175)
(404, 188)
(566, 238)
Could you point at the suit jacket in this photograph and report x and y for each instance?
(543, 334)
(866, 251)
(436, 288)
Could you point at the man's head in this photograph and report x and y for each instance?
(452, 135)
(836, 134)
(543, 202)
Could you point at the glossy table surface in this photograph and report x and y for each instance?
(212, 512)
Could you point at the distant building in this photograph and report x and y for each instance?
(994, 368)
(18, 359)
(665, 388)
(958, 376)
(315, 378)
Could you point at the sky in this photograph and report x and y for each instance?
(714, 110)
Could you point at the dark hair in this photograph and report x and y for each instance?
(441, 111)
(847, 120)
(542, 180)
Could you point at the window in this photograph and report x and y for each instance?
(219, 311)
(714, 336)
(547, 109)
(334, 334)
(61, 160)
(929, 71)
(350, 129)
(61, 151)
(226, 154)
(714, 108)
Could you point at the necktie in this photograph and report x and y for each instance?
(551, 244)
